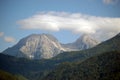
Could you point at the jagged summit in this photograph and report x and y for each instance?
(37, 46)
(85, 42)
(41, 35)
(84, 38)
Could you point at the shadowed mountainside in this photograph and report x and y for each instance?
(7, 76)
(105, 66)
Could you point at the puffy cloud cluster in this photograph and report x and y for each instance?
(75, 22)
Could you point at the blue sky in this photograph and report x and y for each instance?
(16, 16)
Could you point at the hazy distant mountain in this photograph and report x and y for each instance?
(83, 42)
(46, 46)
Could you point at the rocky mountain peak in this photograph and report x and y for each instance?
(86, 41)
(37, 46)
(43, 35)
(84, 37)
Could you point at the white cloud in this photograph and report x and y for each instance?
(9, 39)
(75, 22)
(110, 1)
(1, 34)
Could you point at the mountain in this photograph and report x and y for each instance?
(99, 63)
(105, 66)
(112, 44)
(83, 42)
(38, 69)
(37, 46)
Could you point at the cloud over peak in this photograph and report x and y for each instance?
(74, 22)
(56, 21)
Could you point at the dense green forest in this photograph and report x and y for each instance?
(105, 66)
(8, 76)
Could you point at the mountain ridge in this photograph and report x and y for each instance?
(36, 46)
(37, 69)
(28, 46)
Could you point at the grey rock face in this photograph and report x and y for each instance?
(37, 46)
(83, 42)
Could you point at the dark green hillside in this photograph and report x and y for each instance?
(22, 66)
(105, 66)
(7, 76)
